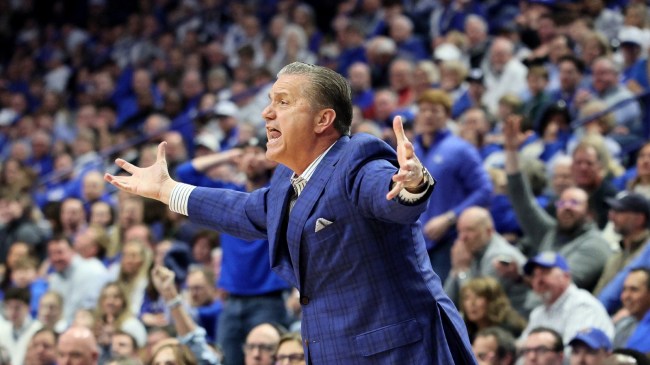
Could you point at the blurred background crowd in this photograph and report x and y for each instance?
(532, 115)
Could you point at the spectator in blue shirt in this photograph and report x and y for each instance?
(463, 181)
(205, 308)
(254, 292)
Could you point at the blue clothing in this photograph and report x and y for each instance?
(368, 291)
(245, 275)
(639, 340)
(462, 180)
(505, 219)
(186, 173)
(207, 317)
(350, 56)
(489, 149)
(461, 104)
(183, 124)
(243, 269)
(230, 139)
(36, 290)
(639, 73)
(620, 182)
(610, 296)
(240, 314)
(55, 192)
(152, 306)
(41, 166)
(413, 49)
(364, 100)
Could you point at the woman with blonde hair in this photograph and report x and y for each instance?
(112, 313)
(133, 274)
(173, 353)
(484, 303)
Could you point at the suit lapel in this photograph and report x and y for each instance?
(278, 206)
(308, 198)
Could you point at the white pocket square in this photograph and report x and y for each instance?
(322, 223)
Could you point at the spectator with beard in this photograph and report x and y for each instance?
(570, 233)
(565, 308)
(630, 215)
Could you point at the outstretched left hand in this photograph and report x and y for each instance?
(410, 169)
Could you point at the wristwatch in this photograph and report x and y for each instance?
(426, 181)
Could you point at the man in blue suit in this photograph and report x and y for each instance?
(341, 216)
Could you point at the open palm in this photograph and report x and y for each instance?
(150, 182)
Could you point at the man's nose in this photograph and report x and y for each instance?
(267, 113)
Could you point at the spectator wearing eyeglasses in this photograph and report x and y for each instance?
(261, 343)
(543, 346)
(571, 232)
(290, 351)
(590, 346)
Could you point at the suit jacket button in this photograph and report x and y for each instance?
(304, 300)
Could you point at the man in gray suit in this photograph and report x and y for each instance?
(480, 251)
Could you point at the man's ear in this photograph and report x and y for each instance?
(324, 119)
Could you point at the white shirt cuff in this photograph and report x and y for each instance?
(179, 197)
(408, 197)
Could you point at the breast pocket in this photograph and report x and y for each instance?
(323, 230)
(388, 337)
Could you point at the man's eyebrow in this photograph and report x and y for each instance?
(278, 93)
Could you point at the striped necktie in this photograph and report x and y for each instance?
(298, 183)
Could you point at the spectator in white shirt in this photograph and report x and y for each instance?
(19, 327)
(565, 308)
(76, 279)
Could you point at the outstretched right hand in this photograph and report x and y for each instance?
(150, 182)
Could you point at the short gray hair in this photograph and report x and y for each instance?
(327, 89)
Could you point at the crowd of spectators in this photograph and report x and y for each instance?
(530, 114)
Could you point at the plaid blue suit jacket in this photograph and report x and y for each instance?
(369, 293)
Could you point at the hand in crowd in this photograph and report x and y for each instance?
(582, 97)
(437, 226)
(155, 319)
(150, 182)
(513, 136)
(506, 268)
(163, 281)
(622, 313)
(461, 257)
(105, 330)
(410, 173)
